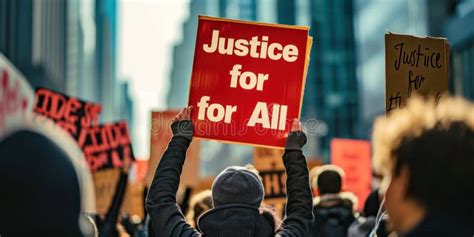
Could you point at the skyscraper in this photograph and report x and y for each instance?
(453, 20)
(65, 45)
(33, 37)
(331, 94)
(106, 56)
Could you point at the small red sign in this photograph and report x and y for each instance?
(353, 156)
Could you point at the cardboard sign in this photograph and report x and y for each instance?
(105, 184)
(133, 202)
(106, 145)
(160, 136)
(16, 96)
(247, 80)
(268, 159)
(415, 65)
(274, 182)
(353, 156)
(269, 163)
(68, 112)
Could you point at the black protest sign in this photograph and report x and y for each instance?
(269, 163)
(274, 182)
(106, 145)
(68, 112)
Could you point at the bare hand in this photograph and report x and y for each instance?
(296, 126)
(185, 114)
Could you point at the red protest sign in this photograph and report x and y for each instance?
(16, 96)
(68, 112)
(353, 156)
(247, 80)
(106, 145)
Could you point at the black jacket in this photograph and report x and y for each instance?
(434, 225)
(333, 214)
(230, 220)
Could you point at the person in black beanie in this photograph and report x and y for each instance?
(237, 193)
(41, 194)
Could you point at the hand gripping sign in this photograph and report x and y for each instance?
(247, 80)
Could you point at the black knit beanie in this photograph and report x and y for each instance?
(237, 185)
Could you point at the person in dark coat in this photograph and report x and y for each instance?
(426, 153)
(40, 188)
(237, 193)
(369, 224)
(333, 209)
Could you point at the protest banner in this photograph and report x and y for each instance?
(247, 80)
(269, 164)
(16, 96)
(415, 65)
(353, 156)
(160, 136)
(68, 112)
(105, 184)
(106, 145)
(133, 202)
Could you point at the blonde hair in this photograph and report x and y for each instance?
(417, 117)
(202, 202)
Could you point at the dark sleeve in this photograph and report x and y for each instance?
(299, 213)
(114, 209)
(186, 198)
(165, 215)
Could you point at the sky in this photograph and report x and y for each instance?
(148, 30)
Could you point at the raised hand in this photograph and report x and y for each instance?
(185, 114)
(296, 126)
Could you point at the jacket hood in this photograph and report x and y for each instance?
(235, 220)
(346, 199)
(335, 207)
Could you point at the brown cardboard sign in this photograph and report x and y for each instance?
(269, 163)
(415, 65)
(105, 184)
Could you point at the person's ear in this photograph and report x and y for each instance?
(404, 181)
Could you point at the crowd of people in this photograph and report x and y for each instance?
(424, 152)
